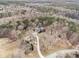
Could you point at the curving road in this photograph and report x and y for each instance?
(58, 54)
(38, 45)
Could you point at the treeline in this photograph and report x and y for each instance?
(9, 14)
(45, 21)
(74, 14)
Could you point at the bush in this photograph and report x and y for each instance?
(3, 26)
(72, 27)
(46, 20)
(26, 22)
(18, 22)
(7, 25)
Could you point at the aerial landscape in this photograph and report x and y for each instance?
(39, 28)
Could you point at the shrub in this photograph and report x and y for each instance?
(72, 27)
(26, 22)
(46, 20)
